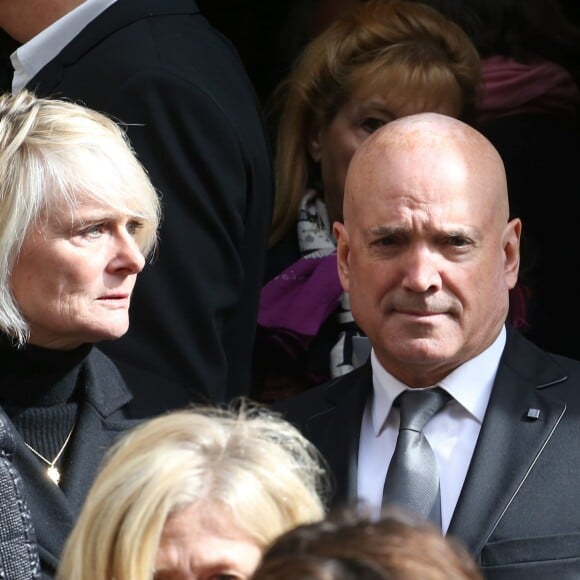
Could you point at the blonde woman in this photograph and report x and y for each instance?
(78, 220)
(199, 492)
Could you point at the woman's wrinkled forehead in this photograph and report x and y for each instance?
(109, 175)
(114, 200)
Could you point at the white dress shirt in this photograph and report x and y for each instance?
(452, 433)
(32, 56)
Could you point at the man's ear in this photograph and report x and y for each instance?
(342, 254)
(511, 245)
(314, 146)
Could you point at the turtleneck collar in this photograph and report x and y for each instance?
(35, 376)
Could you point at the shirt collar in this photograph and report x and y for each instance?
(33, 55)
(469, 384)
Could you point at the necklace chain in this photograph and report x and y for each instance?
(52, 471)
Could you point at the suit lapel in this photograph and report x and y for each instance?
(95, 436)
(510, 442)
(337, 429)
(99, 424)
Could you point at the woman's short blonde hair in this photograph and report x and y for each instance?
(55, 152)
(407, 46)
(245, 459)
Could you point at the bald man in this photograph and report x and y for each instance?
(428, 255)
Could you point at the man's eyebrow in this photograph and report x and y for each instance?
(460, 231)
(394, 230)
(385, 230)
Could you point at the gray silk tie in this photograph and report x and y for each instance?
(412, 479)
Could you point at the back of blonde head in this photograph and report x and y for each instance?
(380, 38)
(248, 460)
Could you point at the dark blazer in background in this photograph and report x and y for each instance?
(195, 123)
(519, 509)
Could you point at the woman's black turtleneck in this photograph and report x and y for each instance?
(39, 391)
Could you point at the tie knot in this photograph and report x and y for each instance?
(417, 407)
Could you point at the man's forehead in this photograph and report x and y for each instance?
(422, 131)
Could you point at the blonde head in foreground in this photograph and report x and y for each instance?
(246, 464)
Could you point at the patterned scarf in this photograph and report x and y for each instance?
(295, 304)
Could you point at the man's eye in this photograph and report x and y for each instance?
(458, 241)
(387, 241)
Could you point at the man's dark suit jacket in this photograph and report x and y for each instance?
(106, 411)
(195, 123)
(519, 509)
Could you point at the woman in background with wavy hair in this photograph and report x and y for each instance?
(381, 60)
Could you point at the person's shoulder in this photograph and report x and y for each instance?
(154, 394)
(322, 398)
(569, 365)
(150, 393)
(172, 36)
(543, 368)
(302, 401)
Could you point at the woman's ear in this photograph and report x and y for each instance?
(314, 147)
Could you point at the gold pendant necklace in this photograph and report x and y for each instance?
(52, 471)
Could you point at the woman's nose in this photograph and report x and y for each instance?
(128, 255)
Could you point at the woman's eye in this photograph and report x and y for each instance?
(134, 226)
(371, 124)
(94, 231)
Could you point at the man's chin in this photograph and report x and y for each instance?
(417, 349)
